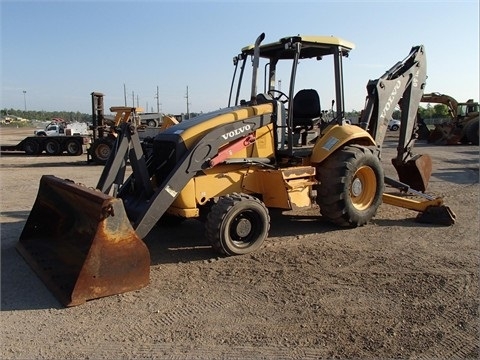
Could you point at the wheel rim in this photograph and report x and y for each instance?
(363, 188)
(72, 148)
(51, 148)
(103, 151)
(245, 229)
(31, 147)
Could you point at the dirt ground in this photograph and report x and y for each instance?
(391, 289)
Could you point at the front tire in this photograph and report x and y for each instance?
(351, 186)
(237, 224)
(101, 150)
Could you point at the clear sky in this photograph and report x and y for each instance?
(61, 51)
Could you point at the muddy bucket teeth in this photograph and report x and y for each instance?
(415, 172)
(80, 242)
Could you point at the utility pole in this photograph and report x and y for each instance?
(25, 100)
(188, 103)
(125, 94)
(137, 101)
(133, 99)
(157, 96)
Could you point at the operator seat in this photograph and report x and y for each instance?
(306, 112)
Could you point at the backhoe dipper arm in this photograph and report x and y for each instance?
(403, 84)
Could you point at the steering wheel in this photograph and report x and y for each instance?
(279, 96)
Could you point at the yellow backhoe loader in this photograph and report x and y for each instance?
(267, 150)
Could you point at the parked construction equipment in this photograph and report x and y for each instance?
(461, 128)
(229, 167)
(57, 138)
(105, 128)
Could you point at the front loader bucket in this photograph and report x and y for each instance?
(415, 172)
(80, 242)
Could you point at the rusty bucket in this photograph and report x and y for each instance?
(415, 172)
(80, 242)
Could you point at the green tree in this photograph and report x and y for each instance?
(440, 111)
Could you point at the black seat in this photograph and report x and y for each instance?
(306, 108)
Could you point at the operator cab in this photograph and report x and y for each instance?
(300, 120)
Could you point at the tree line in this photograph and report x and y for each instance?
(69, 116)
(429, 112)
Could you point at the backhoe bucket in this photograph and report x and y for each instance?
(80, 242)
(415, 172)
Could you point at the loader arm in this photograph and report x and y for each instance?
(145, 210)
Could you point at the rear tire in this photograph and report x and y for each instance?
(472, 132)
(32, 147)
(152, 123)
(52, 147)
(351, 186)
(237, 224)
(74, 147)
(101, 150)
(465, 130)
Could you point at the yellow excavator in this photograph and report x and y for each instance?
(268, 150)
(461, 128)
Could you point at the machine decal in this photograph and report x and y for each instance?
(389, 103)
(330, 143)
(231, 134)
(170, 191)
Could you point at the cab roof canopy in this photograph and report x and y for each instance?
(311, 47)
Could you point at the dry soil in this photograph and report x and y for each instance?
(391, 289)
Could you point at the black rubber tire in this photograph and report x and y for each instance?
(472, 132)
(101, 150)
(205, 209)
(32, 147)
(394, 128)
(465, 130)
(151, 123)
(351, 186)
(238, 224)
(52, 147)
(74, 147)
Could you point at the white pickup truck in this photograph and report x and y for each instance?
(56, 129)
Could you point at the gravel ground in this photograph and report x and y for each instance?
(391, 289)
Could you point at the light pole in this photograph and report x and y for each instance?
(25, 100)
(188, 111)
